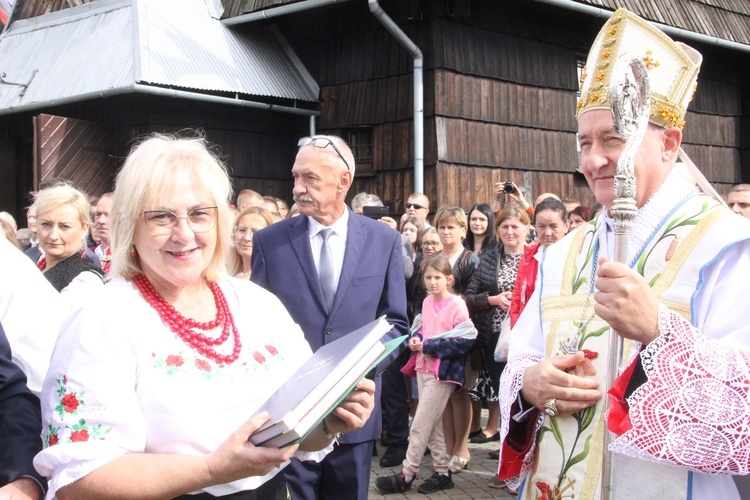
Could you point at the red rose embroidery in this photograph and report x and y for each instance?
(272, 350)
(175, 360)
(70, 403)
(202, 365)
(259, 357)
(79, 436)
(53, 439)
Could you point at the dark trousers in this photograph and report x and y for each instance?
(394, 402)
(343, 474)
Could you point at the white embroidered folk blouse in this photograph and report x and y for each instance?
(120, 382)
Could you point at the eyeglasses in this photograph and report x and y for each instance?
(433, 244)
(322, 142)
(163, 222)
(415, 206)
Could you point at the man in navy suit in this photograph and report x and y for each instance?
(368, 282)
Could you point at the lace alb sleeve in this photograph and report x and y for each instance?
(511, 383)
(694, 409)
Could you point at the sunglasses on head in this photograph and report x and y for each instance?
(415, 206)
(322, 142)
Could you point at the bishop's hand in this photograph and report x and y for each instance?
(626, 302)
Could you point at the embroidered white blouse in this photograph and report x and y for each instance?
(121, 382)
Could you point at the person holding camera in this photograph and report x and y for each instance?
(510, 189)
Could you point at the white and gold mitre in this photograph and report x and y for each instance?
(672, 68)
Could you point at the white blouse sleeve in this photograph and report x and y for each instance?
(91, 414)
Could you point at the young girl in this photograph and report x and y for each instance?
(440, 347)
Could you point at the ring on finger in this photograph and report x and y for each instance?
(550, 407)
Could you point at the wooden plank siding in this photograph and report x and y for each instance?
(78, 150)
(34, 8)
(499, 86)
(465, 186)
(504, 107)
(474, 50)
(493, 144)
(488, 100)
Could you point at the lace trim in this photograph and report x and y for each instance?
(694, 408)
(511, 383)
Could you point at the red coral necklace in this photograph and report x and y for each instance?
(184, 327)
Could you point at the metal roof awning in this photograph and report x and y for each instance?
(169, 47)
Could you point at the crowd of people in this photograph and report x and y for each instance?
(171, 314)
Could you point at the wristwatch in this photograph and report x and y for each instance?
(334, 436)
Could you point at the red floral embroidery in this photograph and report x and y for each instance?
(272, 350)
(70, 402)
(202, 365)
(259, 357)
(585, 367)
(79, 436)
(175, 360)
(544, 489)
(53, 440)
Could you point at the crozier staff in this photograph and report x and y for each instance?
(156, 378)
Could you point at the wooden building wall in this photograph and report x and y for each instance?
(499, 86)
(366, 78)
(258, 147)
(500, 91)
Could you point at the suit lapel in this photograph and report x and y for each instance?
(299, 237)
(355, 240)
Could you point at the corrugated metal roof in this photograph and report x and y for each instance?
(112, 44)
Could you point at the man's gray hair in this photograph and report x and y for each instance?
(360, 199)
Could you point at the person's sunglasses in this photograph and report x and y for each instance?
(322, 142)
(415, 206)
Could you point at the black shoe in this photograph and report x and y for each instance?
(484, 438)
(475, 433)
(437, 482)
(393, 484)
(393, 456)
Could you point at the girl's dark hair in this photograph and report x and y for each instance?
(490, 239)
(439, 263)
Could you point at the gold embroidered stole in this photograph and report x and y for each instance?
(567, 461)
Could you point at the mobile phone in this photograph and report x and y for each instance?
(375, 212)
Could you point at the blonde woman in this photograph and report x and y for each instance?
(248, 222)
(63, 221)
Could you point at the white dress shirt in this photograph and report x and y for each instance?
(337, 242)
